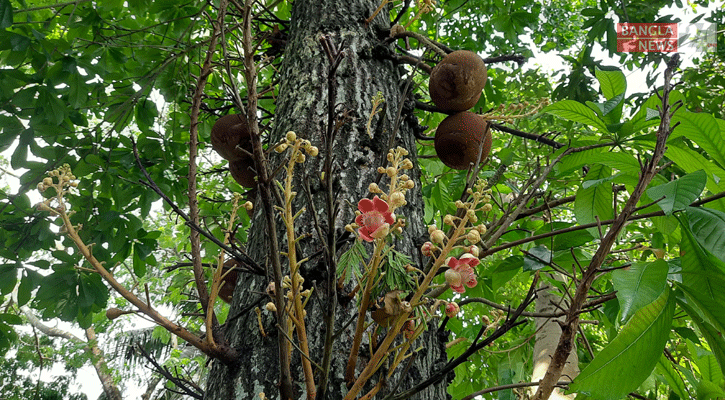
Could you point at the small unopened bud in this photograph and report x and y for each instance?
(473, 236)
(481, 229)
(48, 181)
(381, 170)
(431, 229)
(390, 171)
(397, 199)
(474, 250)
(291, 136)
(300, 158)
(271, 307)
(437, 236)
(248, 206)
(459, 204)
(448, 219)
(427, 249)
(407, 164)
(409, 184)
(281, 148)
(313, 151)
(404, 177)
(452, 309)
(487, 207)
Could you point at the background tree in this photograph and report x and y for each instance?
(126, 94)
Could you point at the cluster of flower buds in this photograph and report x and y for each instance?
(291, 140)
(399, 181)
(58, 178)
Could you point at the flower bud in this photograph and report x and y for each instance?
(474, 251)
(248, 206)
(437, 236)
(487, 207)
(291, 136)
(390, 171)
(473, 236)
(452, 309)
(397, 199)
(313, 151)
(448, 219)
(271, 307)
(427, 249)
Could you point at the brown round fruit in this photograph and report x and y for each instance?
(458, 140)
(229, 132)
(242, 171)
(456, 82)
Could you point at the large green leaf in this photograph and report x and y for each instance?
(679, 193)
(625, 162)
(691, 161)
(670, 377)
(596, 200)
(630, 358)
(708, 226)
(612, 83)
(703, 279)
(712, 335)
(639, 285)
(577, 112)
(6, 14)
(704, 130)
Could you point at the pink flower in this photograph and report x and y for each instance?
(375, 219)
(460, 272)
(452, 310)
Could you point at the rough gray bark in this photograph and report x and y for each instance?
(302, 107)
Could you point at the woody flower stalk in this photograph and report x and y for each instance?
(62, 181)
(297, 312)
(462, 228)
(375, 220)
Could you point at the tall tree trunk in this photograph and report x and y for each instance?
(548, 332)
(302, 107)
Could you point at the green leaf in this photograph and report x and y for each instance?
(708, 226)
(612, 83)
(673, 380)
(702, 129)
(577, 112)
(639, 285)
(712, 335)
(703, 279)
(625, 162)
(594, 201)
(691, 161)
(630, 358)
(680, 193)
(8, 277)
(6, 14)
(537, 258)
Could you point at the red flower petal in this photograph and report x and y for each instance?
(366, 205)
(380, 205)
